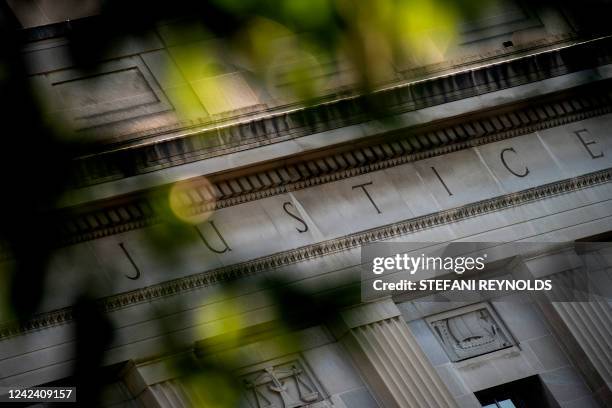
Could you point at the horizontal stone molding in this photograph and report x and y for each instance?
(275, 127)
(259, 265)
(202, 195)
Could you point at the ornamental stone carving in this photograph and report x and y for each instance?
(286, 385)
(469, 332)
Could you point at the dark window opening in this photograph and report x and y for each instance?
(527, 392)
(603, 237)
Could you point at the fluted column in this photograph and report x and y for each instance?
(152, 385)
(390, 358)
(591, 325)
(583, 327)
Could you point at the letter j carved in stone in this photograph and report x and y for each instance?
(129, 257)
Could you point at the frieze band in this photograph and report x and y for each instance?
(328, 247)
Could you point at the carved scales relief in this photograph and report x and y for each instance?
(286, 385)
(470, 332)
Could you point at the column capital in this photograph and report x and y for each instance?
(363, 314)
(553, 262)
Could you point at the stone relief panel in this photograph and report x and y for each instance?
(127, 86)
(470, 331)
(282, 384)
(118, 90)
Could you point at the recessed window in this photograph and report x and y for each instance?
(527, 392)
(507, 403)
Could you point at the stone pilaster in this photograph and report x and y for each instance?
(152, 386)
(583, 327)
(389, 357)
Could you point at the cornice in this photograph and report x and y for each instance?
(277, 127)
(404, 76)
(409, 145)
(289, 257)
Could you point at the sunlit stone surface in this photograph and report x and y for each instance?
(487, 142)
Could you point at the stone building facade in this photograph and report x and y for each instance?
(505, 140)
